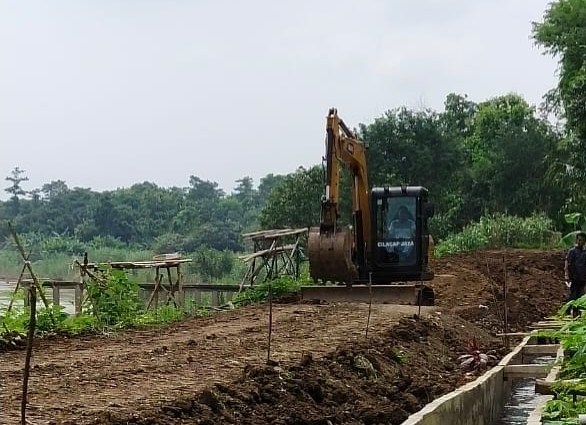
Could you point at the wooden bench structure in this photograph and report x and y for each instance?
(275, 253)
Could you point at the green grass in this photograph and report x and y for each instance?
(499, 232)
(60, 266)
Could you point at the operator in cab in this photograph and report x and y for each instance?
(575, 270)
(403, 231)
(403, 227)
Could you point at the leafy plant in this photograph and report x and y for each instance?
(474, 359)
(500, 231)
(578, 221)
(114, 299)
(259, 293)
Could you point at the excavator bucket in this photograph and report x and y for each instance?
(377, 294)
(330, 256)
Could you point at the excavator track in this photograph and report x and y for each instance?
(330, 260)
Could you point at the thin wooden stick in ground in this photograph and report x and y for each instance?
(369, 303)
(270, 321)
(506, 307)
(29, 352)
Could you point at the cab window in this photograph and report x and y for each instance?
(396, 230)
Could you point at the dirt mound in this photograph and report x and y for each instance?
(535, 286)
(381, 380)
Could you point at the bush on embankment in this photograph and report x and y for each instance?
(500, 231)
(113, 303)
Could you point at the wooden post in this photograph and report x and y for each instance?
(270, 321)
(215, 298)
(197, 297)
(56, 295)
(32, 294)
(78, 299)
(506, 307)
(180, 287)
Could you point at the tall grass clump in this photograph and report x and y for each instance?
(499, 231)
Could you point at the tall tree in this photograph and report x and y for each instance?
(562, 33)
(16, 178)
(509, 143)
(296, 202)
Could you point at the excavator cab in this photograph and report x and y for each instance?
(401, 238)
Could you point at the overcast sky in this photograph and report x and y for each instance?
(104, 93)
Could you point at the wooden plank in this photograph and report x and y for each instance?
(256, 254)
(548, 325)
(140, 264)
(541, 349)
(526, 371)
(514, 334)
(149, 285)
(273, 233)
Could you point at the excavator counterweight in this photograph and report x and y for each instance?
(388, 245)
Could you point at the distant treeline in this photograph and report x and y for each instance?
(497, 156)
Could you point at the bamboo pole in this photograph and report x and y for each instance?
(27, 263)
(29, 352)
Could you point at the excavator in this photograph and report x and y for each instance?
(386, 255)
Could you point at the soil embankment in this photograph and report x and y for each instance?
(535, 286)
(214, 370)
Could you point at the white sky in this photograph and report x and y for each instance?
(104, 93)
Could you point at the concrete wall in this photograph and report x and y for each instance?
(477, 403)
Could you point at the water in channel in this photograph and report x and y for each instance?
(523, 399)
(7, 289)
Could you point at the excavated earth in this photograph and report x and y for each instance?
(323, 368)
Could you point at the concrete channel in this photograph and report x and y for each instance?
(483, 401)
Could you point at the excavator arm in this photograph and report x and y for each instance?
(335, 253)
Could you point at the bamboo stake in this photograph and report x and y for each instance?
(369, 303)
(32, 273)
(29, 352)
(270, 316)
(20, 276)
(506, 321)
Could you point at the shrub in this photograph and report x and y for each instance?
(501, 231)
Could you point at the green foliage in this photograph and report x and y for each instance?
(260, 292)
(212, 264)
(113, 303)
(578, 222)
(114, 300)
(296, 201)
(562, 34)
(500, 231)
(572, 336)
(16, 178)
